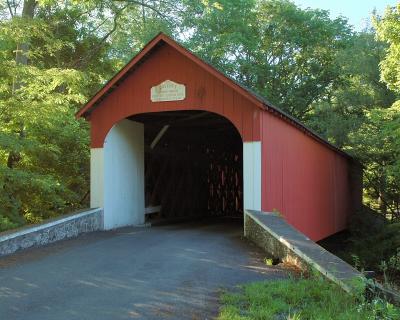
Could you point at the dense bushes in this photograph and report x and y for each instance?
(374, 245)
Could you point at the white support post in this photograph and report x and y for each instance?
(252, 175)
(117, 176)
(97, 177)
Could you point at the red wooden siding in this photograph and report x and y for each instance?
(303, 179)
(203, 92)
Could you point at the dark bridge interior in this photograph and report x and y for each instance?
(193, 165)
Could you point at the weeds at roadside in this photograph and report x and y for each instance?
(295, 299)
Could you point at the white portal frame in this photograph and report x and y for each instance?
(117, 176)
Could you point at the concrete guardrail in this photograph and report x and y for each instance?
(51, 230)
(271, 232)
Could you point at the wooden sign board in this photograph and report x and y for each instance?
(168, 91)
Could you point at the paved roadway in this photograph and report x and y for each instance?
(168, 272)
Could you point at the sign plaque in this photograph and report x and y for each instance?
(168, 91)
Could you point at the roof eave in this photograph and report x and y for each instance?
(83, 112)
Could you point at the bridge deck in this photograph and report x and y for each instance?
(173, 272)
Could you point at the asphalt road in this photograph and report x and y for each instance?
(168, 272)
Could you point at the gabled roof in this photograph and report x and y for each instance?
(162, 39)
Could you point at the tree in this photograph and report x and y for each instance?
(388, 30)
(42, 148)
(377, 145)
(53, 56)
(377, 142)
(360, 115)
(284, 53)
(343, 109)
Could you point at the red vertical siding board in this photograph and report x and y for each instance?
(248, 122)
(228, 103)
(201, 90)
(218, 104)
(208, 99)
(304, 180)
(238, 115)
(257, 124)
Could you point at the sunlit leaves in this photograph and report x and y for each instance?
(376, 144)
(388, 28)
(287, 54)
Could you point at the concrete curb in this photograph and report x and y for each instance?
(280, 239)
(51, 230)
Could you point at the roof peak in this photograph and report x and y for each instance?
(259, 101)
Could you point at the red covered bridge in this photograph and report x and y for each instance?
(172, 137)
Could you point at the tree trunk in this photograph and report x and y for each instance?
(21, 58)
(382, 195)
(28, 12)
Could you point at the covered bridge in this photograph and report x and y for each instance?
(172, 137)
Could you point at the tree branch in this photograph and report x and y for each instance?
(10, 9)
(143, 4)
(102, 40)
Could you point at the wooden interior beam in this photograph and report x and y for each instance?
(159, 136)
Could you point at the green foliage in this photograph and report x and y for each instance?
(376, 140)
(43, 149)
(53, 56)
(388, 29)
(361, 115)
(376, 144)
(284, 53)
(343, 109)
(301, 299)
(6, 224)
(374, 245)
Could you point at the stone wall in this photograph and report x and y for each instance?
(279, 239)
(274, 248)
(51, 230)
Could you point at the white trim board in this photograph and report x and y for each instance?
(252, 175)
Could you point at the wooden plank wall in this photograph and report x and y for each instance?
(204, 92)
(304, 180)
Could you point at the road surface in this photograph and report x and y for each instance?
(166, 272)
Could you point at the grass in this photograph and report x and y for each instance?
(295, 299)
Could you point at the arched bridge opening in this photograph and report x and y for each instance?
(193, 166)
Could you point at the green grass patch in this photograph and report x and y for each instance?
(297, 299)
